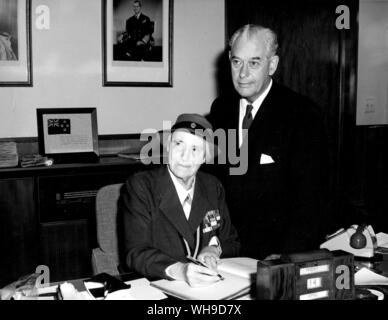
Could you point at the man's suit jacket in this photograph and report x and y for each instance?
(155, 223)
(276, 207)
(138, 28)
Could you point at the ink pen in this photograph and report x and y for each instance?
(106, 291)
(199, 263)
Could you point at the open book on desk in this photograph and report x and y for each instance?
(239, 274)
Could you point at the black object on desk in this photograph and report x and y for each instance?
(365, 294)
(319, 274)
(109, 284)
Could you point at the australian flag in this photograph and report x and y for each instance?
(58, 126)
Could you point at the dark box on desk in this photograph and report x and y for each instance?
(310, 275)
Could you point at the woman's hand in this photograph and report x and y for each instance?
(195, 275)
(209, 256)
(199, 276)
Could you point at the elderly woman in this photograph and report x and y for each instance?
(174, 215)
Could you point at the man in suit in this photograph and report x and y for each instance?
(6, 52)
(137, 33)
(276, 205)
(174, 214)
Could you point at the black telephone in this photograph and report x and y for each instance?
(358, 240)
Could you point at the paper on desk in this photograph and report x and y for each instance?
(93, 285)
(141, 290)
(243, 266)
(47, 289)
(382, 240)
(365, 277)
(125, 294)
(53, 289)
(69, 292)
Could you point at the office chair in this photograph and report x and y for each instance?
(106, 258)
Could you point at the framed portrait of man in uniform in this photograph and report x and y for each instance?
(137, 42)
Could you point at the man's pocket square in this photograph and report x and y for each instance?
(265, 159)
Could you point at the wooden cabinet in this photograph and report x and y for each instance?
(18, 229)
(47, 216)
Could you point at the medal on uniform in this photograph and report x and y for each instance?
(211, 221)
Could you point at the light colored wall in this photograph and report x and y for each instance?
(372, 90)
(67, 70)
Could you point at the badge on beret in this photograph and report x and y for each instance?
(193, 125)
(211, 221)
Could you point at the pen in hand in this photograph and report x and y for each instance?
(106, 291)
(199, 263)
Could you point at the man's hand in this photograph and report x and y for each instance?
(123, 37)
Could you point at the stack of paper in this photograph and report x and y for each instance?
(8, 154)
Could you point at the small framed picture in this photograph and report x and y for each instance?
(68, 134)
(137, 42)
(15, 43)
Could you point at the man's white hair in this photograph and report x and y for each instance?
(252, 31)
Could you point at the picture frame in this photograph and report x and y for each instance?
(68, 134)
(137, 52)
(15, 43)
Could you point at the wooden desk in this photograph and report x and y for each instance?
(380, 266)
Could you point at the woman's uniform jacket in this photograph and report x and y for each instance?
(155, 223)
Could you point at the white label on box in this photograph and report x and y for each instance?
(316, 269)
(314, 283)
(314, 295)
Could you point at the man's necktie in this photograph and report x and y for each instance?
(247, 121)
(187, 206)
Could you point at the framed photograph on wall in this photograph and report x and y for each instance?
(15, 43)
(68, 134)
(137, 42)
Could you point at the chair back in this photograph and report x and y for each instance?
(106, 221)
